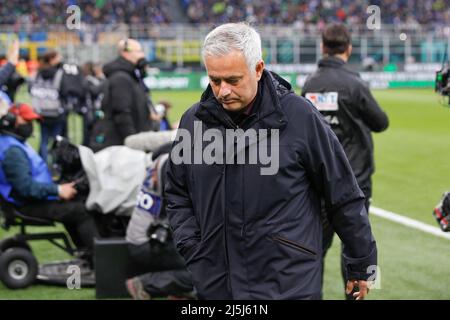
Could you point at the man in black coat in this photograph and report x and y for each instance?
(349, 107)
(128, 103)
(247, 172)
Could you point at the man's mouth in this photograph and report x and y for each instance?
(228, 101)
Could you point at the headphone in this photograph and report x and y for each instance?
(8, 121)
(125, 46)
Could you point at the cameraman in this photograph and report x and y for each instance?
(150, 241)
(349, 107)
(25, 182)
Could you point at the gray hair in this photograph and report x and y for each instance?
(234, 37)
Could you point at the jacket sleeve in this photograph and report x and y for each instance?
(179, 209)
(305, 88)
(333, 179)
(6, 72)
(93, 87)
(121, 104)
(371, 113)
(18, 173)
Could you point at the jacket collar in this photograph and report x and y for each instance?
(120, 64)
(269, 113)
(13, 135)
(332, 62)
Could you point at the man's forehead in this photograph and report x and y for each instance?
(229, 65)
(235, 55)
(224, 74)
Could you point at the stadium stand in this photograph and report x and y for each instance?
(317, 11)
(46, 12)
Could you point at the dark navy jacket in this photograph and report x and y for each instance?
(127, 100)
(356, 115)
(250, 236)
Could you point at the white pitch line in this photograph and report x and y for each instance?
(409, 222)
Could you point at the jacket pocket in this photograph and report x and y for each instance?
(294, 245)
(189, 250)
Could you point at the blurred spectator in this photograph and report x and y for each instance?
(369, 64)
(93, 88)
(162, 110)
(12, 85)
(8, 69)
(46, 99)
(126, 104)
(10, 79)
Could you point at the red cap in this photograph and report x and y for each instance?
(25, 111)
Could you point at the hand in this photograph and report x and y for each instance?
(154, 116)
(13, 52)
(67, 191)
(362, 287)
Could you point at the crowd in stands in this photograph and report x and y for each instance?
(47, 12)
(316, 11)
(319, 12)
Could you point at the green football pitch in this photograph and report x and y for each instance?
(412, 171)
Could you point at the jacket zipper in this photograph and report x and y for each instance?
(225, 229)
(294, 245)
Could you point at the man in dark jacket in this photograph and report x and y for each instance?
(248, 231)
(348, 106)
(26, 182)
(128, 104)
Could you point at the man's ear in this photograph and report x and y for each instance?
(259, 69)
(349, 51)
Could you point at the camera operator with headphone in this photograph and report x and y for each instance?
(26, 182)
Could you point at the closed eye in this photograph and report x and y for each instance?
(216, 81)
(232, 81)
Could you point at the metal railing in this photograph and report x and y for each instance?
(179, 45)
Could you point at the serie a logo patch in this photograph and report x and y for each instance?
(325, 101)
(149, 202)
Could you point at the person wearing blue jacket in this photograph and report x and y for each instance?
(26, 182)
(248, 230)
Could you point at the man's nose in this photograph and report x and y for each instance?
(224, 89)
